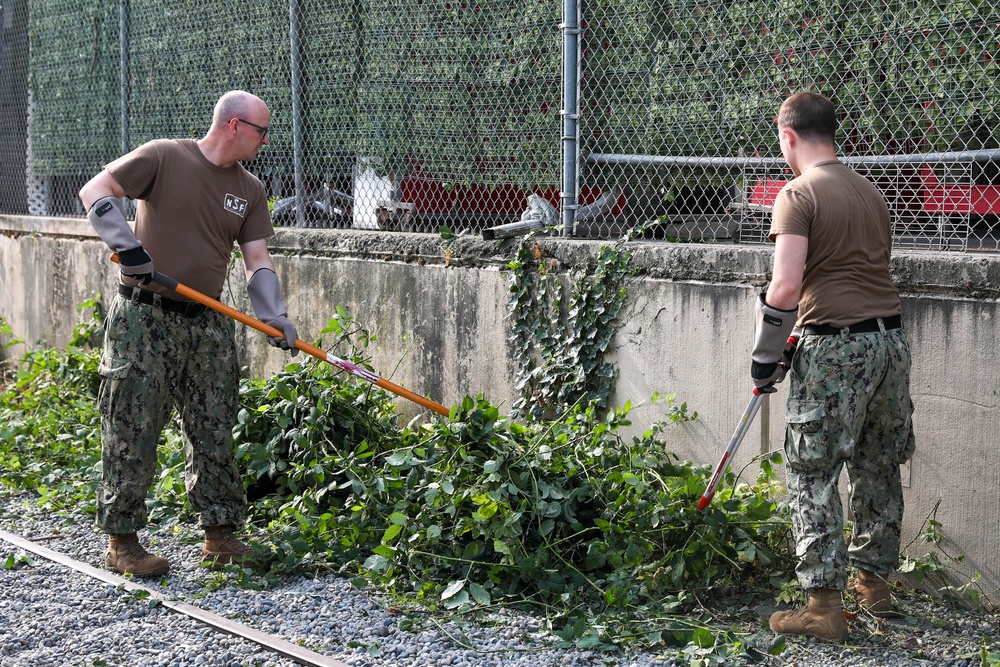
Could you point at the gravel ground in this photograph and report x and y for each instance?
(53, 615)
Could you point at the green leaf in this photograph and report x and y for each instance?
(462, 598)
(631, 479)
(376, 563)
(473, 550)
(479, 594)
(487, 511)
(391, 532)
(384, 551)
(703, 637)
(398, 459)
(453, 588)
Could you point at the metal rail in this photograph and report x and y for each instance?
(301, 655)
(691, 160)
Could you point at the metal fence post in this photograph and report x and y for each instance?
(123, 67)
(570, 115)
(296, 63)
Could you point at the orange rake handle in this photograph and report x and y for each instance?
(322, 355)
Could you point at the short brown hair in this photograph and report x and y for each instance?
(811, 115)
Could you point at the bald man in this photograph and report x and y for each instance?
(163, 352)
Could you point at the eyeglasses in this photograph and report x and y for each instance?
(263, 130)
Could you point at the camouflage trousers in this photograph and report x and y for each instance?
(155, 361)
(848, 405)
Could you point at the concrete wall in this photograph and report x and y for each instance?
(439, 310)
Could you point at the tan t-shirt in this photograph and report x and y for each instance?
(190, 211)
(846, 220)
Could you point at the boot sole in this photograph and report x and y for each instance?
(823, 640)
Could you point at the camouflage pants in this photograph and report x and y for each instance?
(155, 361)
(848, 404)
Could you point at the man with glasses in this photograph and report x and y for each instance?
(262, 130)
(162, 352)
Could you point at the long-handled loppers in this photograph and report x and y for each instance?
(322, 355)
(741, 430)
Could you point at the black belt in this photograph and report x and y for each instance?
(185, 308)
(867, 326)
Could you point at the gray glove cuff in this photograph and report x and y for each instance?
(265, 295)
(773, 329)
(107, 216)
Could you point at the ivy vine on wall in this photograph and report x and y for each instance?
(561, 328)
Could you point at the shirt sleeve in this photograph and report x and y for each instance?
(257, 225)
(136, 171)
(792, 213)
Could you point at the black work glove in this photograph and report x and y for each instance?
(137, 264)
(765, 376)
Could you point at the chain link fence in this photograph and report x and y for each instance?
(482, 116)
(914, 82)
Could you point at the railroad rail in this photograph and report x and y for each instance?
(299, 654)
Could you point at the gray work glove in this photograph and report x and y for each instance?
(772, 351)
(107, 216)
(265, 297)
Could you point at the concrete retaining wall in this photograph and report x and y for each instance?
(439, 310)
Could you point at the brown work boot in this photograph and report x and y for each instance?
(822, 617)
(222, 547)
(872, 593)
(126, 556)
